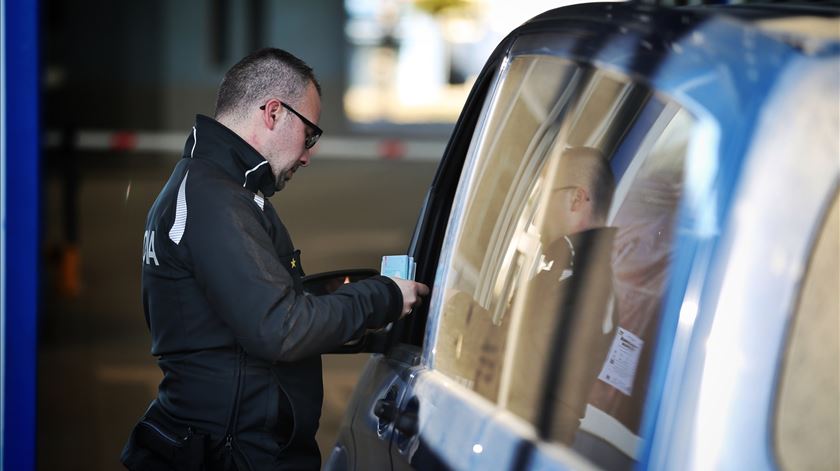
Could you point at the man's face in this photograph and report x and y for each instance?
(286, 150)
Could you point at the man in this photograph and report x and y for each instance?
(238, 341)
(568, 317)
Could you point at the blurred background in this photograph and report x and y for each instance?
(121, 84)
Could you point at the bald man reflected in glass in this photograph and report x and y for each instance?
(568, 316)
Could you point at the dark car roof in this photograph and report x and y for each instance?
(670, 20)
(743, 11)
(762, 10)
(694, 39)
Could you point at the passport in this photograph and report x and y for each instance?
(398, 266)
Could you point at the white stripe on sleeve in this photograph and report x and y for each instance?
(177, 231)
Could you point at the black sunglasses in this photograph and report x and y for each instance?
(311, 139)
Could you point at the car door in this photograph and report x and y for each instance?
(484, 392)
(752, 387)
(486, 377)
(497, 374)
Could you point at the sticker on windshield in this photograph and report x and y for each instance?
(620, 368)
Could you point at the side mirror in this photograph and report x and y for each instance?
(327, 282)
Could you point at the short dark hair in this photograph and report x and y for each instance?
(587, 166)
(266, 73)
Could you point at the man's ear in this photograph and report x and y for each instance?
(270, 113)
(579, 197)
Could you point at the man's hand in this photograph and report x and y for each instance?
(411, 292)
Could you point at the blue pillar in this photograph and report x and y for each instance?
(19, 230)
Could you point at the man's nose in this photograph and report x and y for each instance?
(304, 159)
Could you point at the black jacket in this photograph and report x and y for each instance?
(575, 284)
(567, 318)
(238, 341)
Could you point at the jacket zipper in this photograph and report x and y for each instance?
(230, 447)
(234, 414)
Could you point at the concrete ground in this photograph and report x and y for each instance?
(95, 373)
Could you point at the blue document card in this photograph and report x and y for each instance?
(398, 266)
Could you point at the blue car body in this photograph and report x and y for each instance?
(756, 190)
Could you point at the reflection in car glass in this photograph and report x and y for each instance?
(558, 273)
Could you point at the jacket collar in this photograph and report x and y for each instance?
(213, 141)
(564, 251)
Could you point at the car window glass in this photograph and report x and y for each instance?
(586, 319)
(473, 328)
(554, 288)
(808, 411)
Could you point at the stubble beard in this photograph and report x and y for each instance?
(284, 177)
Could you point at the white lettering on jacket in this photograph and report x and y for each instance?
(149, 248)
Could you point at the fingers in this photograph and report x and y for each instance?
(411, 294)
